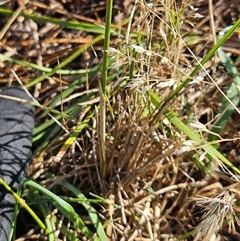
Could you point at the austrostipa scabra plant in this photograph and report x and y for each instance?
(215, 211)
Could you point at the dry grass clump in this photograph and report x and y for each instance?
(159, 184)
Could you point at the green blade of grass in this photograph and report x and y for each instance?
(45, 211)
(64, 230)
(65, 62)
(72, 138)
(68, 114)
(23, 204)
(83, 26)
(91, 211)
(106, 46)
(46, 69)
(41, 202)
(103, 90)
(65, 208)
(65, 93)
(209, 55)
(192, 134)
(232, 94)
(47, 134)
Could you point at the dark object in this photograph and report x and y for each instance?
(229, 236)
(16, 131)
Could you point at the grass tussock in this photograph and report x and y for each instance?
(137, 134)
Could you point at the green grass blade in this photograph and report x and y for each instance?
(46, 69)
(106, 46)
(233, 95)
(91, 211)
(193, 135)
(64, 207)
(83, 26)
(103, 91)
(64, 230)
(68, 60)
(22, 203)
(45, 211)
(44, 132)
(209, 55)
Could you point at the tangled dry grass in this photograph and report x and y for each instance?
(151, 175)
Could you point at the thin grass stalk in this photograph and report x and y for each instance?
(106, 46)
(103, 90)
(23, 204)
(102, 133)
